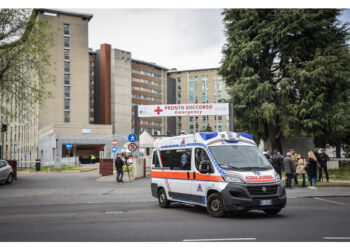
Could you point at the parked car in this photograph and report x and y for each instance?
(6, 172)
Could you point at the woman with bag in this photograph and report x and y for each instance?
(301, 168)
(312, 172)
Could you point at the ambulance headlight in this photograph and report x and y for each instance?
(277, 177)
(230, 178)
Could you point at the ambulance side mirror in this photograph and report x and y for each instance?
(204, 167)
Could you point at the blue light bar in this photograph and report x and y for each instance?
(246, 135)
(208, 135)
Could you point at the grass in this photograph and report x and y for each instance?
(52, 169)
(343, 173)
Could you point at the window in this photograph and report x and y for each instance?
(66, 91)
(91, 91)
(66, 116)
(66, 42)
(66, 79)
(91, 109)
(66, 29)
(91, 73)
(91, 100)
(177, 159)
(66, 104)
(201, 155)
(92, 82)
(155, 160)
(91, 63)
(91, 119)
(67, 67)
(66, 54)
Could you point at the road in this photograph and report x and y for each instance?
(76, 207)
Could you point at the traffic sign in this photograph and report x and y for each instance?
(114, 148)
(114, 142)
(69, 145)
(132, 138)
(132, 147)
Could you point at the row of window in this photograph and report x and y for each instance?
(145, 73)
(142, 97)
(150, 123)
(66, 57)
(146, 81)
(146, 90)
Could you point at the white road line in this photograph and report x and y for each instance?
(335, 202)
(336, 238)
(224, 239)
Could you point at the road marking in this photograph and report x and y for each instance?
(336, 238)
(225, 239)
(335, 202)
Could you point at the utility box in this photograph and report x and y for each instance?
(106, 167)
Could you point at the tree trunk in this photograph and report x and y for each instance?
(337, 151)
(275, 139)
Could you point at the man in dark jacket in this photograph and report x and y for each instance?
(276, 162)
(323, 162)
(289, 168)
(119, 163)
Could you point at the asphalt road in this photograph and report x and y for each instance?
(76, 207)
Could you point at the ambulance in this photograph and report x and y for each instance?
(222, 171)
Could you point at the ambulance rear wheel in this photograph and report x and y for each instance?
(162, 199)
(215, 205)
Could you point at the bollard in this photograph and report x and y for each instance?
(37, 164)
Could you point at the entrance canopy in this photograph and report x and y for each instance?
(195, 109)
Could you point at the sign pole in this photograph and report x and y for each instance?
(68, 157)
(127, 167)
(230, 115)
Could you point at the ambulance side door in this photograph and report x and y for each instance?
(201, 182)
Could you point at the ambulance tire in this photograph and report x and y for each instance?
(162, 199)
(215, 205)
(272, 211)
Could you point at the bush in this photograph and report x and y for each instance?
(125, 169)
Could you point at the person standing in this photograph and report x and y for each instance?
(289, 169)
(301, 168)
(267, 154)
(119, 163)
(293, 155)
(312, 169)
(276, 162)
(323, 162)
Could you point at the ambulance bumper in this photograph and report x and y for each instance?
(243, 197)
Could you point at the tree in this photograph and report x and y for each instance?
(207, 129)
(24, 58)
(289, 72)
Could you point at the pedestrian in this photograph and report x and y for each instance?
(312, 169)
(277, 161)
(289, 169)
(119, 163)
(295, 159)
(301, 168)
(267, 153)
(323, 162)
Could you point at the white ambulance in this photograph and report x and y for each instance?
(222, 171)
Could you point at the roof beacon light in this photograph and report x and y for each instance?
(231, 137)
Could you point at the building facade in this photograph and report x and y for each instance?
(200, 86)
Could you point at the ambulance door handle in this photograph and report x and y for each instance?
(194, 175)
(188, 175)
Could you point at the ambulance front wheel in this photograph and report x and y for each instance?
(215, 206)
(162, 199)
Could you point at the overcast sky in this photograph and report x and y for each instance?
(173, 38)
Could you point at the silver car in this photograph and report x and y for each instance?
(6, 172)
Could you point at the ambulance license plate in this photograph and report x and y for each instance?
(265, 202)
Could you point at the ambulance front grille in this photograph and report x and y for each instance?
(262, 190)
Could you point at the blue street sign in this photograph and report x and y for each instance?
(69, 145)
(132, 138)
(114, 148)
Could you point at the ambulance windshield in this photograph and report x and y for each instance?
(239, 157)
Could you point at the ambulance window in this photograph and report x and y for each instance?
(176, 159)
(155, 161)
(201, 155)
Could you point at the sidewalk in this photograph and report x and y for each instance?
(300, 192)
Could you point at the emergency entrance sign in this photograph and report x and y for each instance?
(195, 109)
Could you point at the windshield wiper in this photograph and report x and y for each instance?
(228, 166)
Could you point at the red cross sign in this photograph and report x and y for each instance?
(158, 110)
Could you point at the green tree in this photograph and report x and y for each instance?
(289, 72)
(24, 58)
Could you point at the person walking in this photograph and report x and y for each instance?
(119, 163)
(293, 155)
(276, 162)
(289, 169)
(323, 162)
(312, 169)
(301, 168)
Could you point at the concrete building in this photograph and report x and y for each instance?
(200, 86)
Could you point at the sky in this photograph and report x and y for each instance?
(172, 38)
